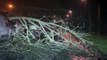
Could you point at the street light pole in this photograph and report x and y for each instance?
(98, 6)
(84, 6)
(87, 15)
(83, 13)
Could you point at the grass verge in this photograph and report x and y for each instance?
(99, 41)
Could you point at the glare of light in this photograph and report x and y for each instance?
(83, 0)
(10, 5)
(67, 15)
(70, 12)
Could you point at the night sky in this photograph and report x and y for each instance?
(47, 3)
(64, 4)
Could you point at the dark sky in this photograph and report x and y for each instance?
(51, 3)
(39, 3)
(70, 4)
(46, 3)
(62, 4)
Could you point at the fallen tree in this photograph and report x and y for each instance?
(34, 39)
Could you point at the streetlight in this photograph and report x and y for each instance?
(83, 0)
(10, 6)
(70, 12)
(67, 16)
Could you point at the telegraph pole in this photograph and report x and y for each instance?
(98, 17)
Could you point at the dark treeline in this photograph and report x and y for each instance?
(94, 11)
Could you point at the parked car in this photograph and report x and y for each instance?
(4, 29)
